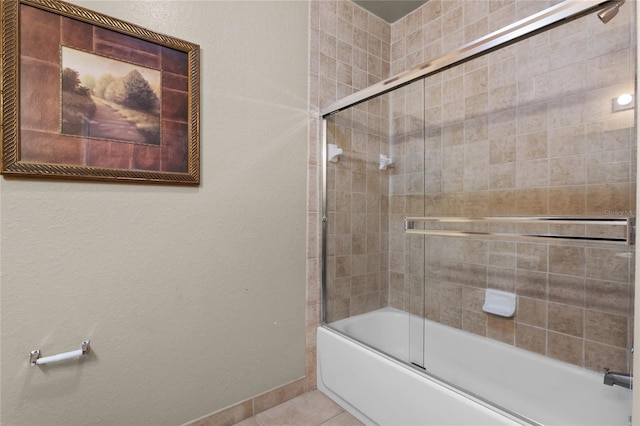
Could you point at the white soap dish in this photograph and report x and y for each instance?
(499, 303)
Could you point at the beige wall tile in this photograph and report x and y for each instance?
(472, 298)
(478, 28)
(531, 338)
(532, 118)
(612, 134)
(476, 106)
(450, 316)
(568, 260)
(502, 73)
(608, 69)
(532, 312)
(567, 289)
(532, 201)
(531, 284)
(503, 98)
(532, 174)
(532, 257)
(501, 329)
(503, 203)
(568, 140)
(606, 328)
(452, 18)
(432, 31)
(502, 254)
(599, 356)
(565, 348)
(609, 167)
(501, 279)
(567, 200)
(475, 322)
(531, 61)
(566, 171)
(502, 124)
(453, 134)
(476, 129)
(568, 111)
(502, 176)
(476, 81)
(278, 396)
(227, 416)
(566, 319)
(604, 263)
(531, 146)
(607, 296)
(431, 11)
(502, 150)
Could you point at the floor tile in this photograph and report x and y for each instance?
(309, 409)
(343, 419)
(251, 421)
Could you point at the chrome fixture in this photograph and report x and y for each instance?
(36, 359)
(386, 162)
(621, 379)
(608, 13)
(625, 226)
(534, 24)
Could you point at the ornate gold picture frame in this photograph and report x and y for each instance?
(87, 96)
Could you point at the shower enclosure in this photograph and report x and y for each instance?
(492, 191)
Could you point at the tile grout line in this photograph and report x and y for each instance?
(342, 411)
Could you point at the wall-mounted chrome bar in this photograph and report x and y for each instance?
(34, 357)
(548, 18)
(625, 224)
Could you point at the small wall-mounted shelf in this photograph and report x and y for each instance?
(501, 303)
(621, 229)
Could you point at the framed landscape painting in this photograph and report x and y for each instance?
(88, 96)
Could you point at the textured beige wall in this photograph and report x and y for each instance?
(193, 298)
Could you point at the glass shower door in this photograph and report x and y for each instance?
(374, 178)
(406, 198)
(528, 132)
(504, 139)
(366, 197)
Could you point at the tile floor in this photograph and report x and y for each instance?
(309, 409)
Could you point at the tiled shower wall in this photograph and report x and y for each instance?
(357, 211)
(522, 131)
(349, 51)
(525, 130)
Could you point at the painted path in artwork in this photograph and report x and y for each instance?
(108, 124)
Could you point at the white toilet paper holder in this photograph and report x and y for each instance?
(34, 357)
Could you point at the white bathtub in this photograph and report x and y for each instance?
(380, 390)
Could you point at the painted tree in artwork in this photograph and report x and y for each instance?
(101, 85)
(131, 91)
(138, 93)
(78, 106)
(105, 98)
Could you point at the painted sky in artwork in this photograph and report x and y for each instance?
(89, 63)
